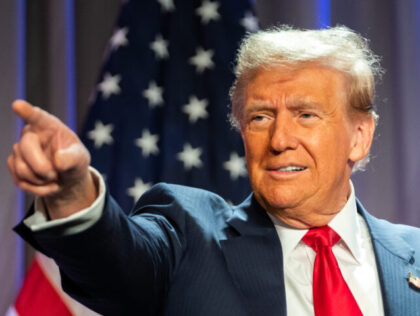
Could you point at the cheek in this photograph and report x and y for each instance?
(255, 148)
(330, 151)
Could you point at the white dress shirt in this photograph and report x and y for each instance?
(354, 253)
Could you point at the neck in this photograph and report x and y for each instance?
(308, 215)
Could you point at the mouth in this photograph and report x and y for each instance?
(289, 169)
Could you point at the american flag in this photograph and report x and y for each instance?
(161, 104)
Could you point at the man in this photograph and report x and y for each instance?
(302, 102)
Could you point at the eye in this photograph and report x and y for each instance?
(308, 118)
(259, 118)
(258, 122)
(307, 115)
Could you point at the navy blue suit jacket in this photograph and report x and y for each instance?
(185, 251)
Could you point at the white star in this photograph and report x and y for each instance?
(196, 109)
(160, 47)
(202, 59)
(148, 143)
(138, 189)
(119, 38)
(109, 85)
(101, 134)
(167, 5)
(250, 22)
(208, 11)
(190, 157)
(153, 94)
(236, 166)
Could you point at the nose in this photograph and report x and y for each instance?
(283, 135)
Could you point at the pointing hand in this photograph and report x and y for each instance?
(51, 162)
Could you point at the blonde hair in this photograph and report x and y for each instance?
(339, 48)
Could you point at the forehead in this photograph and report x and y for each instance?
(310, 83)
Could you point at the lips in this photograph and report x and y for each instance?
(288, 168)
(291, 169)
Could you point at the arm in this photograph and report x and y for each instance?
(118, 265)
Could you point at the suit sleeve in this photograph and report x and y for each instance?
(121, 265)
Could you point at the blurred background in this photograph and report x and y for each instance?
(52, 51)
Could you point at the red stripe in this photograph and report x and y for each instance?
(38, 297)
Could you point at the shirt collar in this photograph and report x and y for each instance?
(345, 224)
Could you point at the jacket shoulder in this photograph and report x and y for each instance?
(182, 204)
(409, 233)
(383, 229)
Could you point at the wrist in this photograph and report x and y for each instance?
(72, 198)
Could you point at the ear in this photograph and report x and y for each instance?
(362, 138)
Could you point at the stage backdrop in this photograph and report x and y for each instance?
(51, 53)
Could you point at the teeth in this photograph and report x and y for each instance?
(291, 169)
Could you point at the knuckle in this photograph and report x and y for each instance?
(16, 148)
(20, 169)
(10, 165)
(10, 160)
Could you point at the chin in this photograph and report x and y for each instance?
(277, 202)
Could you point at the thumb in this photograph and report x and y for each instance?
(74, 157)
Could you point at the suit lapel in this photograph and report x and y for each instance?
(395, 259)
(254, 259)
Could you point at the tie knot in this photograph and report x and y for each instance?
(318, 237)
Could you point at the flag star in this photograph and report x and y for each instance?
(138, 189)
(196, 109)
(153, 94)
(167, 5)
(160, 47)
(119, 38)
(250, 22)
(148, 143)
(202, 59)
(101, 134)
(190, 157)
(236, 166)
(208, 11)
(109, 85)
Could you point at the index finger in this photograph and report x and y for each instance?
(32, 115)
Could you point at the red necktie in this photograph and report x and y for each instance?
(331, 293)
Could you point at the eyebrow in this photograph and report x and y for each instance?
(294, 104)
(260, 106)
(303, 104)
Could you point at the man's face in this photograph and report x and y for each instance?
(300, 143)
